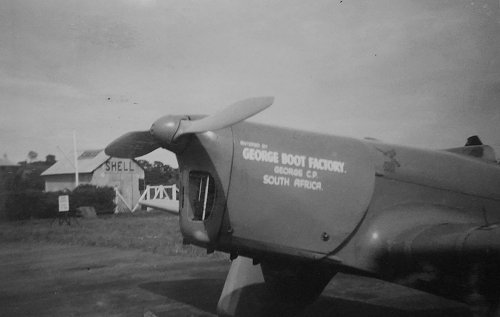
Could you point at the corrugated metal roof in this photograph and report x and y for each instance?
(88, 161)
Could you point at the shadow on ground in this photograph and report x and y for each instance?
(203, 294)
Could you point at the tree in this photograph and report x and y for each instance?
(145, 165)
(32, 155)
(157, 164)
(28, 175)
(50, 159)
(159, 173)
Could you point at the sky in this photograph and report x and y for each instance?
(422, 73)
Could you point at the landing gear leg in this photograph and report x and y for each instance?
(270, 289)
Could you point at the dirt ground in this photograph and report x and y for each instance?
(43, 279)
(49, 279)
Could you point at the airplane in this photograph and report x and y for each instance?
(293, 208)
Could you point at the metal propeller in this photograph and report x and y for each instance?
(166, 130)
(132, 144)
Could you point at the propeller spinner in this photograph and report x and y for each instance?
(166, 130)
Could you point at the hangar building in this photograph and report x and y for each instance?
(97, 168)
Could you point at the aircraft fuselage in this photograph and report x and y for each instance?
(260, 191)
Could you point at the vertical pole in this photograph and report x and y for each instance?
(116, 200)
(77, 181)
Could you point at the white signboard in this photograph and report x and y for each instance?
(63, 203)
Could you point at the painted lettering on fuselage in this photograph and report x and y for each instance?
(276, 180)
(291, 169)
(326, 165)
(307, 184)
(258, 155)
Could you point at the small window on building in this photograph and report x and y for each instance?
(201, 194)
(89, 154)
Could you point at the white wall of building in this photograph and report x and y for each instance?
(123, 174)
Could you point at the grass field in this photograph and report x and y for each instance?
(147, 231)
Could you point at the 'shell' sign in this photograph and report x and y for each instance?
(115, 166)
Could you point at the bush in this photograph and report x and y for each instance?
(101, 198)
(49, 205)
(22, 205)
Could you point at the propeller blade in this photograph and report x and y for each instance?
(229, 116)
(132, 144)
(166, 130)
(170, 206)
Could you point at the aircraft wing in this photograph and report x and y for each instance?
(461, 241)
(170, 206)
